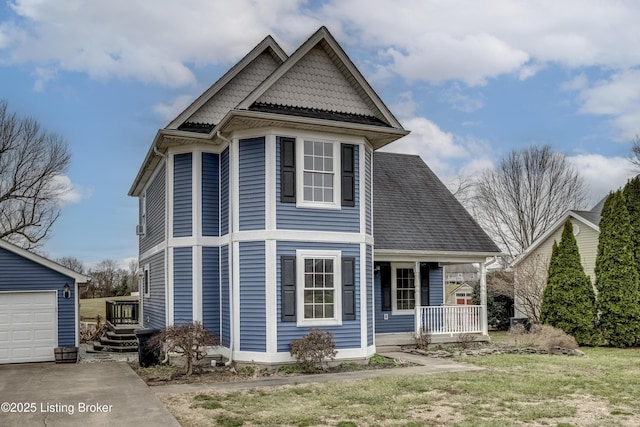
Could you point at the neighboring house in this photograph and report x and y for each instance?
(460, 273)
(38, 306)
(459, 294)
(532, 265)
(260, 205)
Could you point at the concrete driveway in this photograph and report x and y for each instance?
(91, 394)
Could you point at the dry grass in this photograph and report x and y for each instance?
(600, 389)
(542, 336)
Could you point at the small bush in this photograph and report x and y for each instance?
(378, 359)
(422, 339)
(188, 340)
(466, 340)
(544, 337)
(314, 349)
(290, 369)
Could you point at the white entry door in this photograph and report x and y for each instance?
(28, 326)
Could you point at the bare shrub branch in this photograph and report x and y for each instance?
(530, 281)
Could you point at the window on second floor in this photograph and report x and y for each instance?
(316, 173)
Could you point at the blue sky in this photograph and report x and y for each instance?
(472, 80)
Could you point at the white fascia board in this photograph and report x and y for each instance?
(431, 256)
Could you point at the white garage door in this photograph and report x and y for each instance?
(27, 326)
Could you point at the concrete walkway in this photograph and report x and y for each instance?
(427, 366)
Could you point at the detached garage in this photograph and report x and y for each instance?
(38, 306)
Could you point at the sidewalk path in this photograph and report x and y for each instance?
(427, 366)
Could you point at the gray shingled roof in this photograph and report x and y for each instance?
(413, 210)
(592, 217)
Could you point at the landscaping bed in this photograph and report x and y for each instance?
(171, 374)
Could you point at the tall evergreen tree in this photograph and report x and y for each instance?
(570, 304)
(617, 275)
(631, 193)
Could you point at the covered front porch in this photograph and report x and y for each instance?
(412, 302)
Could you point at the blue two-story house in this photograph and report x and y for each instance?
(264, 213)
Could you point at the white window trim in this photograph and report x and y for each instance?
(394, 287)
(336, 256)
(337, 172)
(146, 290)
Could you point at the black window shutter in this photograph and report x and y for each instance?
(348, 175)
(385, 282)
(287, 170)
(288, 290)
(424, 284)
(348, 289)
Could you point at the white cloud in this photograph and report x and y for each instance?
(171, 110)
(446, 154)
(618, 97)
(67, 192)
(602, 174)
(577, 83)
(461, 101)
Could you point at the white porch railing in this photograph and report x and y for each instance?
(450, 319)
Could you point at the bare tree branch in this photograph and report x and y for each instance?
(634, 158)
(527, 192)
(530, 280)
(31, 163)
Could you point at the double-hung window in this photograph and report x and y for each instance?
(316, 173)
(318, 295)
(403, 286)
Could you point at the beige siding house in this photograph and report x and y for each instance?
(531, 267)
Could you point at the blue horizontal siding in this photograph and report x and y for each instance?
(348, 334)
(22, 274)
(155, 222)
(210, 194)
(211, 289)
(224, 192)
(182, 195)
(253, 316)
(436, 285)
(154, 310)
(252, 184)
(225, 300)
(347, 219)
(182, 285)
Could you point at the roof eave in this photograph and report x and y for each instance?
(441, 256)
(379, 136)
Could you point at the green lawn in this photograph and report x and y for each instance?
(600, 389)
(90, 308)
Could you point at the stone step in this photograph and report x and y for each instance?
(115, 349)
(121, 336)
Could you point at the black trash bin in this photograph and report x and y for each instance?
(147, 356)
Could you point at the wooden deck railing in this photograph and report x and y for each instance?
(450, 319)
(123, 312)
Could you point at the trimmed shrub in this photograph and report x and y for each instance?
(568, 302)
(313, 350)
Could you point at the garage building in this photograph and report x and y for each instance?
(38, 306)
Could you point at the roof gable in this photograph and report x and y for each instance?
(414, 211)
(584, 217)
(210, 107)
(10, 247)
(320, 76)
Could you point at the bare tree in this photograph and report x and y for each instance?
(635, 153)
(72, 263)
(462, 189)
(526, 193)
(133, 274)
(105, 277)
(31, 163)
(530, 280)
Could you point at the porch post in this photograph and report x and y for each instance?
(417, 307)
(483, 298)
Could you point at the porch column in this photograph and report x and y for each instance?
(417, 307)
(483, 298)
